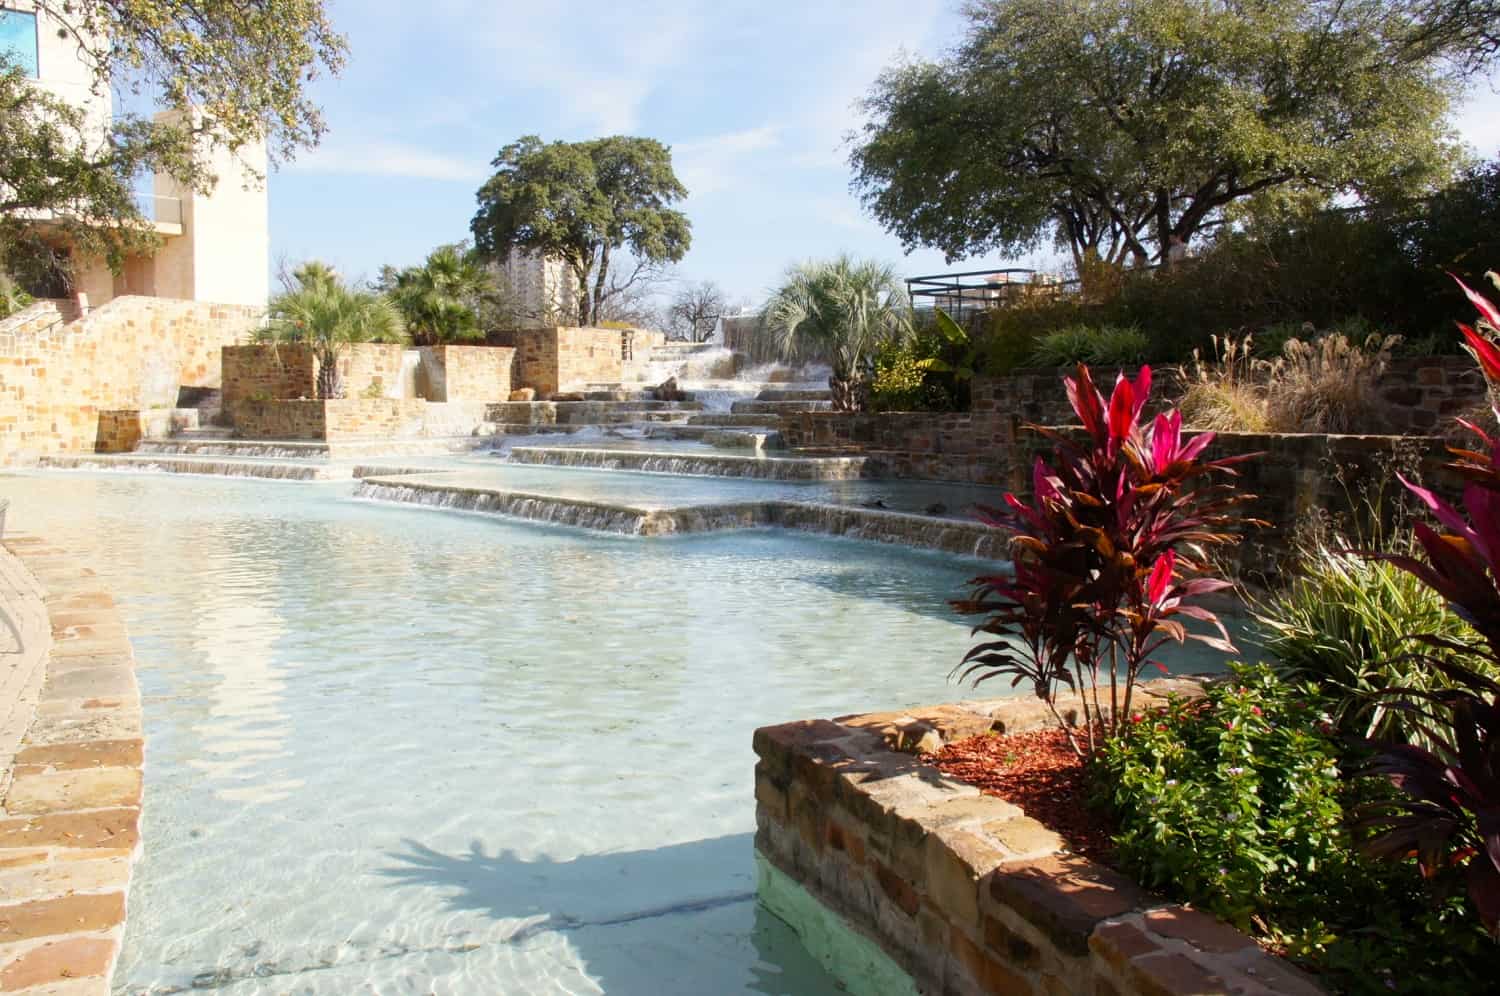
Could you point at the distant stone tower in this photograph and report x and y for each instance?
(545, 289)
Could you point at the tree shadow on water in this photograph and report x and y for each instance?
(673, 919)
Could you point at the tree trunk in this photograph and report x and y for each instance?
(330, 384)
(599, 280)
(851, 395)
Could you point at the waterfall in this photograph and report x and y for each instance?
(189, 465)
(969, 539)
(699, 464)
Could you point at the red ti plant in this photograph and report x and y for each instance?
(1448, 813)
(1109, 556)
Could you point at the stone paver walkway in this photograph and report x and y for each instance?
(70, 820)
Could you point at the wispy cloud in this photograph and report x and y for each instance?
(375, 157)
(719, 162)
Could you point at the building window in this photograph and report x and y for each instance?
(18, 40)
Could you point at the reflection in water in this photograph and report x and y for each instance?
(235, 632)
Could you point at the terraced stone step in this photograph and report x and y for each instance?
(300, 449)
(871, 525)
(719, 437)
(700, 465)
(280, 470)
(767, 420)
(780, 394)
(778, 407)
(583, 412)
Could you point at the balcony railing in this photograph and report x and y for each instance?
(164, 210)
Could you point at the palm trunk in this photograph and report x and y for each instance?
(850, 394)
(330, 384)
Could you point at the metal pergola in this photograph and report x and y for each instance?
(981, 290)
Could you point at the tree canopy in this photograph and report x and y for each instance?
(317, 309)
(443, 299)
(244, 65)
(582, 202)
(844, 310)
(238, 73)
(1122, 127)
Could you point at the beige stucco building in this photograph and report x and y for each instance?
(214, 247)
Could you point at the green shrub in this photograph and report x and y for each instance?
(1235, 803)
(1014, 330)
(904, 380)
(12, 298)
(1105, 345)
(1344, 622)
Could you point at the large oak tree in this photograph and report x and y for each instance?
(583, 202)
(1122, 127)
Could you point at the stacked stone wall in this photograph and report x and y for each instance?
(1296, 477)
(963, 892)
(132, 353)
(562, 359)
(357, 418)
(465, 373)
(265, 372)
(1415, 395)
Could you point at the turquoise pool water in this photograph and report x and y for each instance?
(394, 750)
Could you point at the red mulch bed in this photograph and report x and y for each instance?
(1039, 772)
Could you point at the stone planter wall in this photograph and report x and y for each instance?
(962, 892)
(465, 373)
(290, 371)
(561, 358)
(356, 418)
(286, 370)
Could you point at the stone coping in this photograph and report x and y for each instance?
(70, 826)
(963, 890)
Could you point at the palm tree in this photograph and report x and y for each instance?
(319, 311)
(842, 310)
(440, 299)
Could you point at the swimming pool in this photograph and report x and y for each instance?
(394, 750)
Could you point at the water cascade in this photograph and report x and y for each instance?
(699, 464)
(872, 525)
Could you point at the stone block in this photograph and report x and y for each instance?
(1065, 897)
(59, 962)
(956, 862)
(1204, 932)
(989, 973)
(64, 915)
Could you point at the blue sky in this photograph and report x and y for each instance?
(754, 98)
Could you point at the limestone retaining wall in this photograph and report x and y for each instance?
(132, 353)
(960, 892)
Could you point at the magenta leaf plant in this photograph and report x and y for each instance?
(1447, 812)
(1109, 555)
